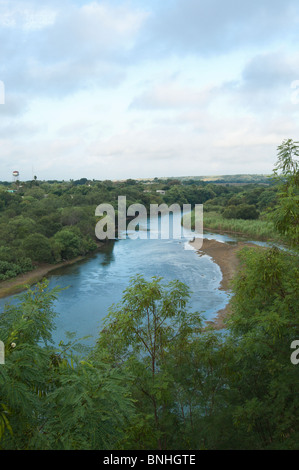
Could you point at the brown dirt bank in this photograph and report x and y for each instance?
(225, 255)
(21, 282)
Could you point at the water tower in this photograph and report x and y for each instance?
(15, 174)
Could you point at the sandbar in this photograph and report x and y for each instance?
(225, 255)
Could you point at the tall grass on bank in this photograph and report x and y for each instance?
(260, 229)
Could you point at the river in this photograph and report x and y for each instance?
(97, 282)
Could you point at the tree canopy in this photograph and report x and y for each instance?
(158, 377)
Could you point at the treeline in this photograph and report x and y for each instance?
(229, 179)
(48, 222)
(42, 222)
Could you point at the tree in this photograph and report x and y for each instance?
(25, 327)
(50, 397)
(139, 337)
(263, 382)
(286, 215)
(68, 244)
(38, 247)
(241, 211)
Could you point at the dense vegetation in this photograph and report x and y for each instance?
(49, 222)
(157, 378)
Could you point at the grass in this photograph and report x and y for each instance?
(259, 229)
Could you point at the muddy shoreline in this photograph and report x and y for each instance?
(20, 283)
(225, 255)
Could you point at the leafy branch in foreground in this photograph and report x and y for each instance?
(143, 336)
(286, 215)
(50, 398)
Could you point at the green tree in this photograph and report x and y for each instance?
(20, 227)
(263, 382)
(68, 244)
(23, 378)
(241, 211)
(51, 398)
(286, 215)
(139, 337)
(38, 247)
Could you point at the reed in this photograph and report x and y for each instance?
(260, 229)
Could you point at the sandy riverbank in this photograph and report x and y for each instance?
(225, 255)
(21, 282)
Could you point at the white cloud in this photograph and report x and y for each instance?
(209, 27)
(133, 88)
(69, 48)
(14, 14)
(171, 96)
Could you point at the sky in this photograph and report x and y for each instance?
(140, 89)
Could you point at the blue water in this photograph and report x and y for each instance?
(94, 284)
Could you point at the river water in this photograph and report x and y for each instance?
(94, 284)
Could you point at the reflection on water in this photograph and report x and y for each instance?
(98, 282)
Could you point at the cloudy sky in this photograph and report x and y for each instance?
(132, 88)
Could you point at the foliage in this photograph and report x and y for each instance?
(241, 211)
(260, 229)
(263, 325)
(140, 337)
(158, 377)
(51, 221)
(286, 215)
(50, 397)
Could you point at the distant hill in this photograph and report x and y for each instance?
(220, 179)
(229, 178)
